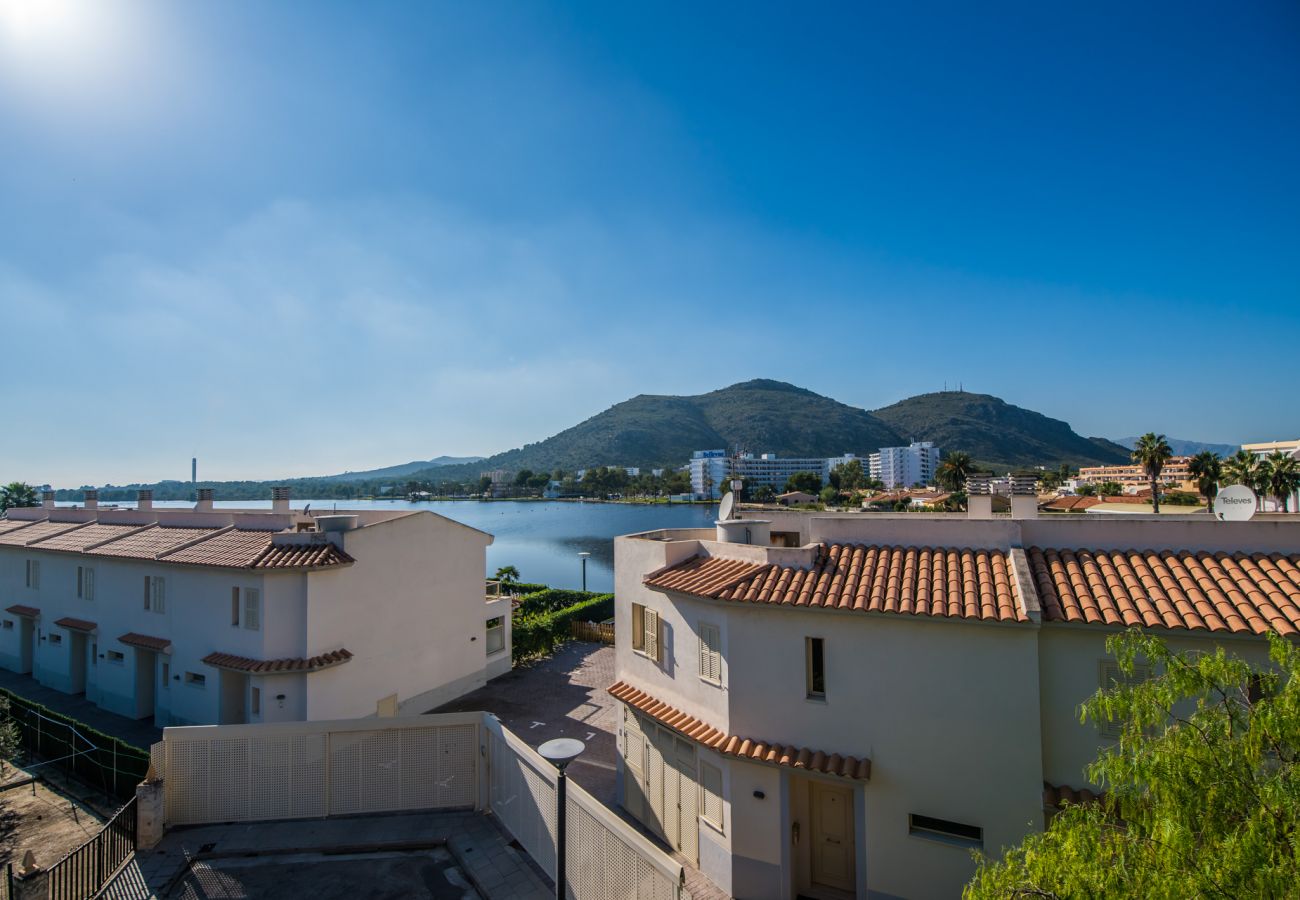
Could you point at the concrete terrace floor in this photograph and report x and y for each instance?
(380, 856)
(565, 695)
(137, 732)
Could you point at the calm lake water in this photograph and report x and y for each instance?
(539, 538)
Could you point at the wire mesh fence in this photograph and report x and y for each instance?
(95, 759)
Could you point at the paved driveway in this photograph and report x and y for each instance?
(561, 696)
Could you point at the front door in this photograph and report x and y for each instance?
(77, 662)
(26, 641)
(234, 689)
(146, 675)
(832, 837)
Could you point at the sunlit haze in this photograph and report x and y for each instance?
(299, 238)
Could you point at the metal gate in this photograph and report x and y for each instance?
(84, 871)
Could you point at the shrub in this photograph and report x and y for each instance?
(538, 633)
(551, 600)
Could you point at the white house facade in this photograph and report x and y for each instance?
(851, 716)
(905, 467)
(229, 616)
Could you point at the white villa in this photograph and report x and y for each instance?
(206, 616)
(836, 706)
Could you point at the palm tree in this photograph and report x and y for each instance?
(1207, 469)
(507, 575)
(15, 494)
(954, 470)
(1151, 453)
(1243, 467)
(1280, 477)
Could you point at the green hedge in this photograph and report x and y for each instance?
(552, 600)
(538, 633)
(92, 757)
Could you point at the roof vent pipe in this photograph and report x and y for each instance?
(92, 499)
(204, 503)
(280, 500)
(47, 499)
(144, 499)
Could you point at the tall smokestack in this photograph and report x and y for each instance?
(280, 500)
(204, 501)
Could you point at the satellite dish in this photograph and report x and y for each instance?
(727, 506)
(1235, 503)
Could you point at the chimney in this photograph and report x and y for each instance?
(92, 499)
(204, 503)
(280, 500)
(144, 499)
(47, 499)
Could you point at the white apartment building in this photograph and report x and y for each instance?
(203, 616)
(905, 467)
(851, 713)
(712, 470)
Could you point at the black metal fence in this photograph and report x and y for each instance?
(83, 872)
(96, 759)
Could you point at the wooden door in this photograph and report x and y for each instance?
(634, 767)
(832, 837)
(688, 828)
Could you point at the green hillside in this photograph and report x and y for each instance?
(996, 433)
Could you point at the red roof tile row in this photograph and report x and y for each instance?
(1198, 590)
(743, 748)
(922, 581)
(76, 624)
(147, 642)
(1055, 796)
(300, 556)
(19, 537)
(273, 666)
(18, 609)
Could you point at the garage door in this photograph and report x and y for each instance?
(660, 787)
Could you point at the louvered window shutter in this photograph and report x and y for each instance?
(652, 634)
(252, 608)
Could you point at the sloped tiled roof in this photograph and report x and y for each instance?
(1054, 796)
(18, 609)
(230, 548)
(920, 581)
(78, 624)
(298, 556)
(146, 641)
(7, 525)
(89, 536)
(740, 747)
(1197, 590)
(274, 666)
(34, 532)
(152, 542)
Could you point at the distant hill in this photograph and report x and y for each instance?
(1186, 448)
(995, 433)
(653, 431)
(404, 469)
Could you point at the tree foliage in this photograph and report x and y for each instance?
(1151, 453)
(1280, 477)
(16, 494)
(954, 471)
(1201, 793)
(1207, 469)
(808, 482)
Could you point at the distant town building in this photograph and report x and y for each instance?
(709, 470)
(905, 467)
(792, 498)
(205, 616)
(1133, 477)
(713, 470)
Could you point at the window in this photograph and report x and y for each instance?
(496, 635)
(166, 675)
(815, 662)
(234, 607)
(252, 609)
(1111, 677)
(155, 593)
(255, 701)
(944, 831)
(34, 574)
(710, 653)
(195, 679)
(645, 631)
(94, 653)
(56, 639)
(9, 624)
(115, 656)
(711, 794)
(85, 582)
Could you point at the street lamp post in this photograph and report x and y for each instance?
(561, 752)
(583, 556)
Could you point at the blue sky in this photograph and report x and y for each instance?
(298, 238)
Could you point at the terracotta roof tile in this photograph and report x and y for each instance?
(18, 609)
(7, 525)
(298, 556)
(1055, 796)
(19, 537)
(147, 642)
(273, 666)
(80, 539)
(1195, 590)
(151, 542)
(742, 747)
(77, 624)
(918, 581)
(230, 548)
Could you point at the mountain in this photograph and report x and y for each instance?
(1186, 448)
(653, 431)
(404, 469)
(995, 433)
